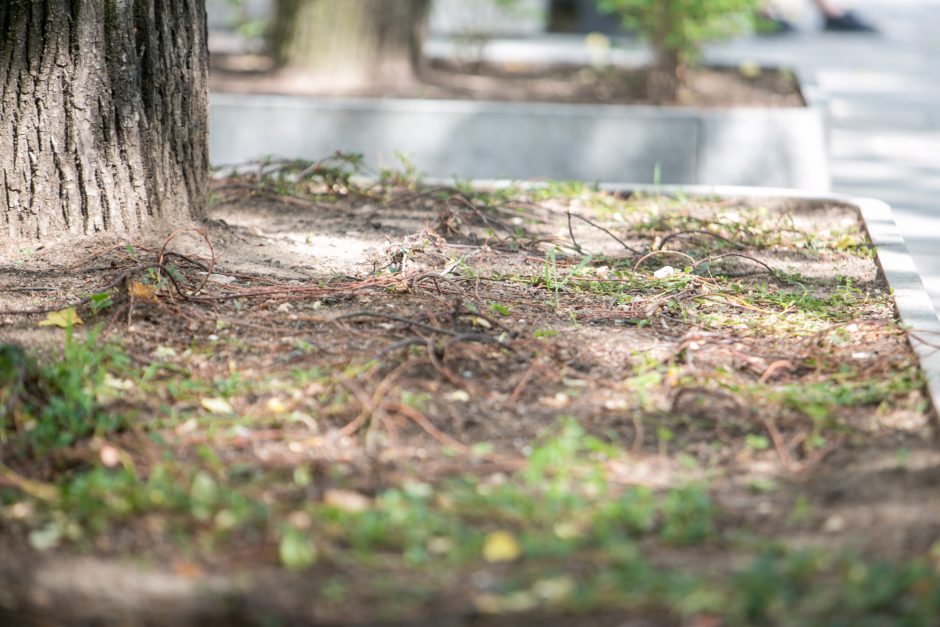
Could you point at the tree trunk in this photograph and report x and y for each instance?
(103, 116)
(665, 77)
(352, 41)
(663, 80)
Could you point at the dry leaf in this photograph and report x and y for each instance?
(142, 291)
(513, 603)
(554, 589)
(188, 570)
(187, 427)
(459, 396)
(114, 383)
(501, 546)
(276, 406)
(63, 319)
(217, 406)
(163, 352)
(347, 501)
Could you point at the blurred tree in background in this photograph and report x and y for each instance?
(356, 41)
(676, 31)
(375, 42)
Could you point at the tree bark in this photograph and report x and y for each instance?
(352, 41)
(103, 116)
(663, 80)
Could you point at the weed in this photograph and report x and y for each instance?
(58, 404)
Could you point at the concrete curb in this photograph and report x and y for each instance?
(784, 147)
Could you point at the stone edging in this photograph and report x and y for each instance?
(782, 147)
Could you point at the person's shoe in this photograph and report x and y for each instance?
(849, 22)
(768, 24)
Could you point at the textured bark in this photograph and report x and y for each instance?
(103, 116)
(351, 40)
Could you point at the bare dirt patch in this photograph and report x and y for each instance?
(524, 82)
(443, 406)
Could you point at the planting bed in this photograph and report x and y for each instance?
(438, 405)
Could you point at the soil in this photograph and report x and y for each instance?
(521, 82)
(501, 313)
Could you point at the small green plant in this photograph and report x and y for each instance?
(58, 404)
(99, 302)
(676, 30)
(406, 175)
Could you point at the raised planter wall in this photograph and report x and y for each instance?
(486, 17)
(447, 17)
(468, 139)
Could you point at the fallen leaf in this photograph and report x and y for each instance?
(19, 511)
(300, 520)
(118, 384)
(163, 352)
(515, 602)
(554, 589)
(188, 570)
(221, 279)
(142, 291)
(347, 500)
(460, 396)
(64, 319)
(187, 427)
(276, 406)
(481, 322)
(225, 520)
(217, 405)
(440, 545)
(501, 546)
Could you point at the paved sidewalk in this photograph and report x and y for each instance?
(882, 94)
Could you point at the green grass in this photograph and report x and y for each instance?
(59, 401)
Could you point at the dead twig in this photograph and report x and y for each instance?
(780, 445)
(394, 318)
(774, 273)
(422, 421)
(438, 365)
(781, 364)
(574, 241)
(118, 280)
(662, 252)
(37, 489)
(368, 409)
(523, 381)
(600, 228)
(638, 433)
(663, 241)
(200, 232)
